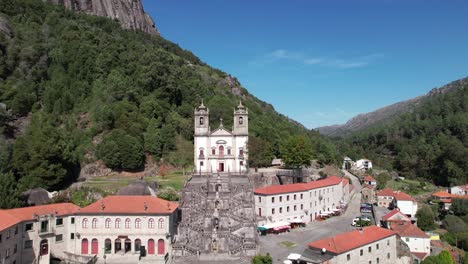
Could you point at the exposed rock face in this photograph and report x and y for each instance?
(129, 13)
(387, 113)
(5, 27)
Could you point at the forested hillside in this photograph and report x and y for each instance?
(76, 88)
(430, 143)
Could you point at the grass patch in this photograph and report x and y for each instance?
(287, 244)
(412, 187)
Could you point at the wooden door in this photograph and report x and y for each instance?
(151, 247)
(161, 249)
(84, 246)
(94, 246)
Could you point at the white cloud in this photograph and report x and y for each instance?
(298, 57)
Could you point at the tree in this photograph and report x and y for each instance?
(453, 224)
(459, 207)
(444, 257)
(120, 151)
(425, 218)
(260, 152)
(262, 259)
(382, 180)
(9, 197)
(297, 152)
(168, 193)
(182, 157)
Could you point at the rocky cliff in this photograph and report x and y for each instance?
(387, 113)
(129, 13)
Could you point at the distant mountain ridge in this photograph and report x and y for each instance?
(387, 113)
(129, 13)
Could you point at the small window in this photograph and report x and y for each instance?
(8, 234)
(72, 235)
(58, 238)
(202, 121)
(15, 249)
(241, 163)
(108, 222)
(28, 227)
(361, 252)
(295, 208)
(161, 223)
(259, 199)
(241, 152)
(84, 223)
(302, 196)
(213, 151)
(127, 223)
(348, 257)
(28, 244)
(117, 223)
(229, 151)
(302, 206)
(16, 230)
(72, 220)
(370, 249)
(201, 153)
(138, 223)
(281, 210)
(388, 255)
(59, 221)
(378, 260)
(273, 211)
(272, 199)
(151, 223)
(281, 198)
(287, 197)
(287, 209)
(407, 239)
(201, 163)
(294, 197)
(377, 246)
(241, 120)
(94, 223)
(388, 242)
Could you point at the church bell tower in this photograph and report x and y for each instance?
(202, 120)
(241, 121)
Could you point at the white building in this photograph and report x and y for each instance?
(369, 245)
(114, 227)
(363, 164)
(221, 150)
(459, 190)
(405, 203)
(300, 201)
(418, 242)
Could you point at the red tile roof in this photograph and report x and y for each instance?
(11, 217)
(130, 205)
(369, 178)
(444, 194)
(406, 229)
(394, 212)
(298, 187)
(420, 255)
(345, 181)
(401, 196)
(350, 240)
(368, 186)
(385, 192)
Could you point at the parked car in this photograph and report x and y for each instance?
(366, 210)
(360, 222)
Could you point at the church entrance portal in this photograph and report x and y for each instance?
(221, 167)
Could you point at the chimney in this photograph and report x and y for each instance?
(145, 206)
(102, 206)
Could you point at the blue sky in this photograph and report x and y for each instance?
(322, 62)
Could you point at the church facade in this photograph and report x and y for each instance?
(221, 150)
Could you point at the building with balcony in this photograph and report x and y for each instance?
(302, 202)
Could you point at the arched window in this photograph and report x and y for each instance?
(202, 121)
(137, 244)
(241, 120)
(44, 247)
(94, 223)
(161, 249)
(117, 223)
(84, 223)
(221, 151)
(84, 246)
(117, 245)
(108, 223)
(229, 151)
(151, 223)
(127, 223)
(161, 223)
(213, 151)
(241, 152)
(94, 246)
(108, 245)
(201, 152)
(138, 223)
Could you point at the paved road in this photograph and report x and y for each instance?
(318, 230)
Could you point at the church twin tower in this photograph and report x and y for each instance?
(221, 150)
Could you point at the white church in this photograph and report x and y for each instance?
(221, 150)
